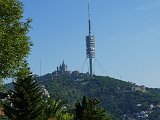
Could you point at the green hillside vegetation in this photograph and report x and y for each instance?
(116, 96)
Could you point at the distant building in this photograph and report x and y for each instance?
(141, 88)
(62, 70)
(75, 73)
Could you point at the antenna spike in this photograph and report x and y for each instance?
(89, 9)
(89, 17)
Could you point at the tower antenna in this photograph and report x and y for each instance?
(89, 17)
(90, 43)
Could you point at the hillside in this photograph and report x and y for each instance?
(121, 99)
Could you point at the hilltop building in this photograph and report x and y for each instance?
(62, 69)
(141, 88)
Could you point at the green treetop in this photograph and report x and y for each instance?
(14, 41)
(89, 110)
(25, 101)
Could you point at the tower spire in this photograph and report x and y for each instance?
(89, 17)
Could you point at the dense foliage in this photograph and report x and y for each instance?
(56, 109)
(116, 96)
(25, 101)
(2, 86)
(14, 41)
(89, 110)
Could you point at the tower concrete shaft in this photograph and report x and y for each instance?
(90, 64)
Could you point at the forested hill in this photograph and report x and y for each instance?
(119, 98)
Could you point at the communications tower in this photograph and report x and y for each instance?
(90, 43)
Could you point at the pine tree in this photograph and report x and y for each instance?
(89, 110)
(79, 111)
(25, 102)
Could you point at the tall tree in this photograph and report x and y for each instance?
(25, 102)
(14, 41)
(89, 110)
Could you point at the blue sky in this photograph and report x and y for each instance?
(127, 37)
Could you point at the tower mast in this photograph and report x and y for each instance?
(90, 43)
(89, 18)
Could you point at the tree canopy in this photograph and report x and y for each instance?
(15, 43)
(89, 110)
(25, 101)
